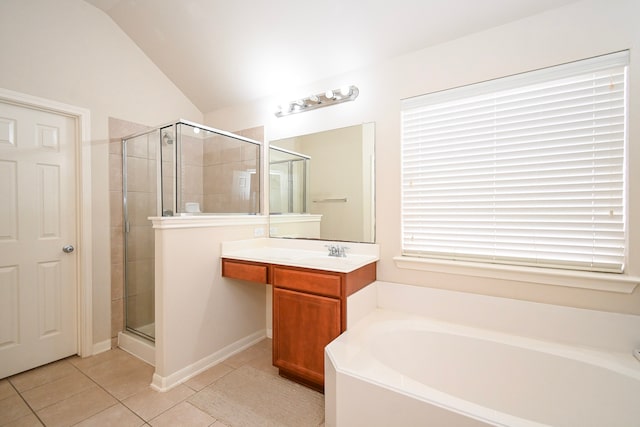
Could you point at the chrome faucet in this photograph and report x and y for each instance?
(337, 250)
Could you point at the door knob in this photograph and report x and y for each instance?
(68, 249)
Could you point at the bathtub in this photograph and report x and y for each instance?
(399, 368)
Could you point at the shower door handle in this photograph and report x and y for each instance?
(68, 249)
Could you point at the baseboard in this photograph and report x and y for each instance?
(101, 347)
(160, 383)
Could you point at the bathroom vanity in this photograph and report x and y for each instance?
(310, 291)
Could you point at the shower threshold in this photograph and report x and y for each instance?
(138, 346)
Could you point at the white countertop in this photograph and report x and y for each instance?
(302, 253)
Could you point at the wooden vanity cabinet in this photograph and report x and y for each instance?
(309, 311)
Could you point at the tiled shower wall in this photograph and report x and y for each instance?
(228, 185)
(201, 171)
(192, 175)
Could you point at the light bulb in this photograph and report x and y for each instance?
(345, 90)
(196, 130)
(328, 94)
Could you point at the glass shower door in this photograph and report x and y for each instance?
(140, 202)
(288, 183)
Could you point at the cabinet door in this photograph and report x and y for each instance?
(303, 325)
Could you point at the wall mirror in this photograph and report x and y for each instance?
(321, 185)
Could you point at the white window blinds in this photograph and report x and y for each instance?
(525, 170)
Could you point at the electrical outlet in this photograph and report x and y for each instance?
(258, 232)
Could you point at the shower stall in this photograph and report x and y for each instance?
(180, 169)
(288, 181)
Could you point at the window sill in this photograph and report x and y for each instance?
(609, 282)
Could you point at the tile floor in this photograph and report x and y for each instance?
(112, 389)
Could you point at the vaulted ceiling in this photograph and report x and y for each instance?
(227, 52)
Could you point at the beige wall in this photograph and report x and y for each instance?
(200, 313)
(70, 52)
(579, 30)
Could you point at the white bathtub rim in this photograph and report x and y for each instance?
(350, 346)
(382, 319)
(437, 398)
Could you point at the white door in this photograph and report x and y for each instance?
(38, 292)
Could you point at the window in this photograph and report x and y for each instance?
(524, 170)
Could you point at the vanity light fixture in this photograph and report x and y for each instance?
(330, 97)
